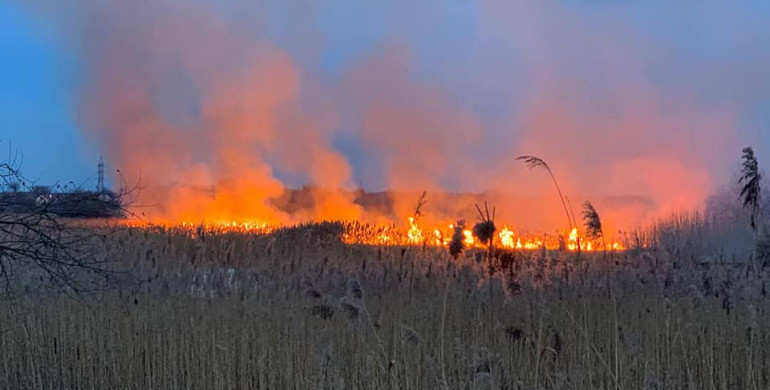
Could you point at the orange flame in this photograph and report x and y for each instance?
(507, 238)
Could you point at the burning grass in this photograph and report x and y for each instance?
(411, 235)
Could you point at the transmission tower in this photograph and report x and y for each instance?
(100, 180)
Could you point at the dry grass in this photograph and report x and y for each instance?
(301, 310)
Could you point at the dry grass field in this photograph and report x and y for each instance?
(299, 309)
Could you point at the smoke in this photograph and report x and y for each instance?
(216, 107)
(592, 109)
(191, 104)
(420, 138)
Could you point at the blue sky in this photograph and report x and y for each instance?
(37, 81)
(704, 65)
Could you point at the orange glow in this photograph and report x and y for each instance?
(385, 234)
(259, 115)
(468, 239)
(506, 238)
(414, 233)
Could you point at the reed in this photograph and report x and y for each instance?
(299, 308)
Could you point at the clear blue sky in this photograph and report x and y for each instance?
(701, 58)
(37, 87)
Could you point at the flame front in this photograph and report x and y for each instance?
(506, 238)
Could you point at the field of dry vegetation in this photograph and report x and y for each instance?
(299, 309)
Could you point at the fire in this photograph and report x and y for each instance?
(506, 238)
(573, 243)
(509, 240)
(468, 239)
(414, 233)
(438, 237)
(533, 244)
(383, 237)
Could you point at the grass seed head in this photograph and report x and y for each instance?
(750, 178)
(456, 245)
(350, 309)
(514, 333)
(323, 312)
(592, 221)
(484, 231)
(354, 289)
(411, 336)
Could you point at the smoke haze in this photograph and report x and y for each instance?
(217, 107)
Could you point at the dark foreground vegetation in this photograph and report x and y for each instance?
(299, 309)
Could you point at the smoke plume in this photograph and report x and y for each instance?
(217, 107)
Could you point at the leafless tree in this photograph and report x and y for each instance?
(39, 248)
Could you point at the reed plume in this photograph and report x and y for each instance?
(355, 290)
(533, 162)
(485, 229)
(351, 309)
(592, 221)
(411, 336)
(456, 246)
(750, 178)
(420, 203)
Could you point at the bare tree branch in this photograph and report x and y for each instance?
(42, 245)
